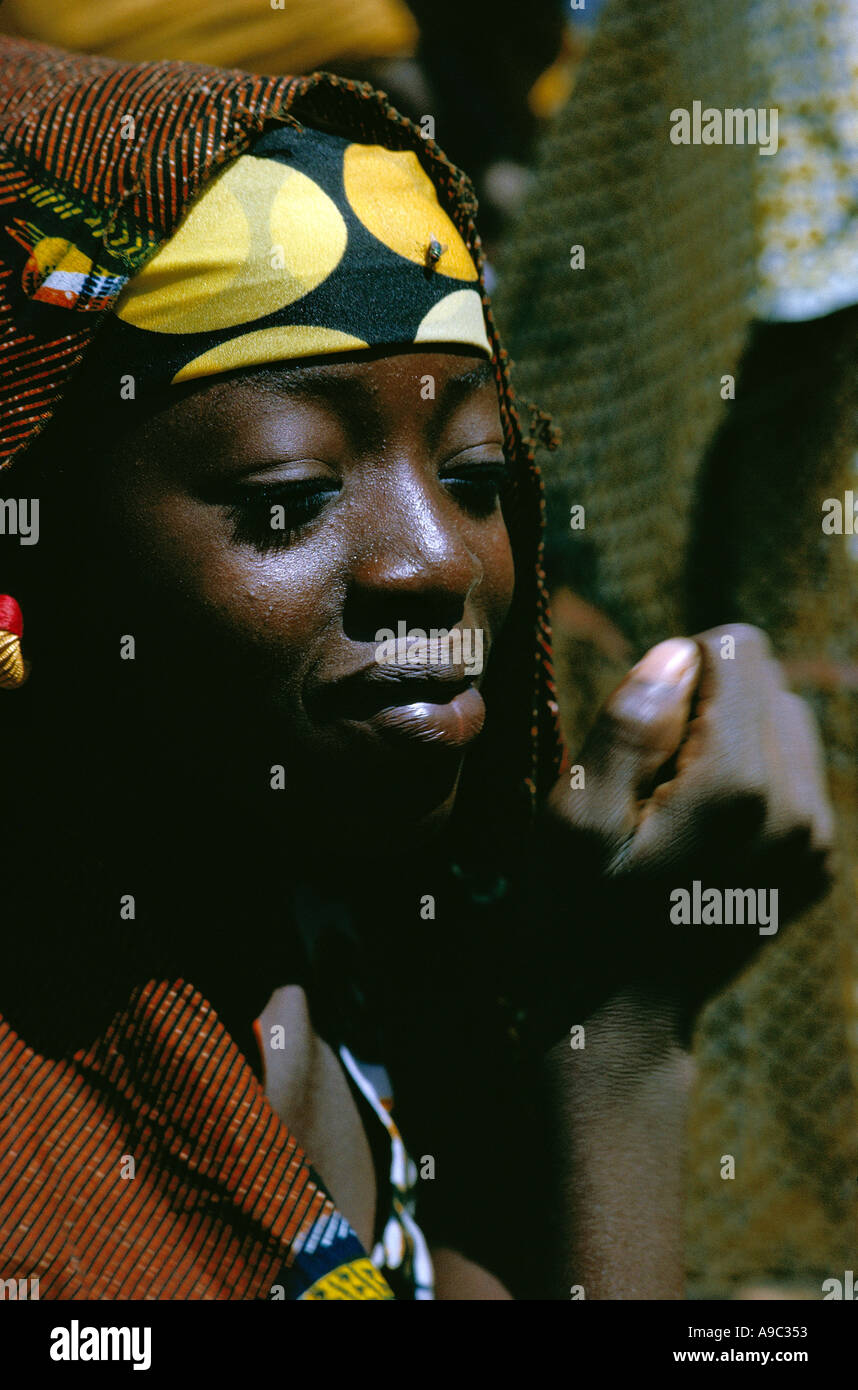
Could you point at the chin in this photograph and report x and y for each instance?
(380, 809)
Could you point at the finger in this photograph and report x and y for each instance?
(637, 732)
(805, 803)
(750, 774)
(794, 851)
(718, 793)
(783, 805)
(722, 760)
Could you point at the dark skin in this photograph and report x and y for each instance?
(392, 515)
(391, 504)
(244, 638)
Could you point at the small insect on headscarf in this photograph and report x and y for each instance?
(310, 243)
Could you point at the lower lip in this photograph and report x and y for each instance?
(452, 725)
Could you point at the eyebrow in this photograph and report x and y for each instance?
(347, 397)
(352, 400)
(455, 390)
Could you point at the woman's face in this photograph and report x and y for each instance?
(264, 530)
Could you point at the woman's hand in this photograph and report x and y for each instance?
(701, 767)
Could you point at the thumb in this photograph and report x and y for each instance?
(637, 731)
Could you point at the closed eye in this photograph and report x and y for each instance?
(479, 486)
(270, 515)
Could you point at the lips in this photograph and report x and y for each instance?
(441, 707)
(455, 723)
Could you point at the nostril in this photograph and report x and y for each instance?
(364, 615)
(426, 590)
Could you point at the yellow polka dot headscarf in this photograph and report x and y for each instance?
(309, 244)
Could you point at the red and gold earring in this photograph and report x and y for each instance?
(14, 670)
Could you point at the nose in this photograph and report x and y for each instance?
(412, 563)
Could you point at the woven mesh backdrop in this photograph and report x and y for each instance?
(702, 511)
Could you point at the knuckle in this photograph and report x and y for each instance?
(799, 830)
(799, 713)
(823, 836)
(636, 715)
(624, 720)
(752, 641)
(826, 864)
(796, 705)
(748, 638)
(749, 793)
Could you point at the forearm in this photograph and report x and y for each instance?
(619, 1108)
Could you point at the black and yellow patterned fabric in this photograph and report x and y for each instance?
(309, 244)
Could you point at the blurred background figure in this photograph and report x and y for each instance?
(488, 82)
(700, 353)
(295, 36)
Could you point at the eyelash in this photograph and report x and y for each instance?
(250, 511)
(478, 488)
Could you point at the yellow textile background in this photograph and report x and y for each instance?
(304, 35)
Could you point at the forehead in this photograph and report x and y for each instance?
(437, 381)
(455, 369)
(366, 395)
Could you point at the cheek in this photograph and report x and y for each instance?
(280, 600)
(218, 601)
